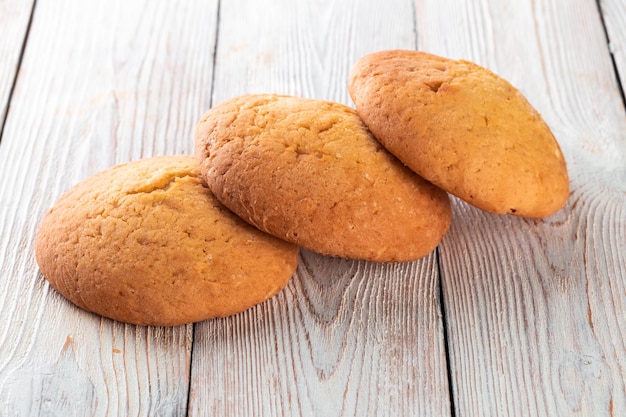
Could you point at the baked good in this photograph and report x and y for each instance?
(147, 243)
(309, 172)
(463, 128)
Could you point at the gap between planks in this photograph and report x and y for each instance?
(3, 117)
(618, 78)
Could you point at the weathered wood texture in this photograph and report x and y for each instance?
(536, 309)
(614, 16)
(100, 83)
(14, 17)
(345, 338)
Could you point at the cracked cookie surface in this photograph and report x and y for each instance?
(146, 242)
(309, 172)
(463, 128)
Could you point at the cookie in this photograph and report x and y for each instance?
(463, 128)
(147, 243)
(309, 172)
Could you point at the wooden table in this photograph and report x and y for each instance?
(509, 317)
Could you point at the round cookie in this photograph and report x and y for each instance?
(147, 243)
(310, 172)
(463, 128)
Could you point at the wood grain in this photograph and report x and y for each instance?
(303, 48)
(614, 14)
(535, 309)
(345, 338)
(14, 17)
(101, 83)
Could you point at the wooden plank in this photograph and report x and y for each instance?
(535, 309)
(614, 15)
(101, 83)
(14, 17)
(345, 337)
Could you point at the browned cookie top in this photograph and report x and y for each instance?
(310, 172)
(463, 128)
(147, 243)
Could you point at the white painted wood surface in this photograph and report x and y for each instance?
(100, 83)
(534, 311)
(14, 17)
(614, 17)
(345, 338)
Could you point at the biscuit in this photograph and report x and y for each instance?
(147, 243)
(309, 172)
(463, 128)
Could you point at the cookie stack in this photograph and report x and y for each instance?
(178, 239)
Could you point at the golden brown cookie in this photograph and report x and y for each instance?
(463, 128)
(309, 172)
(147, 243)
